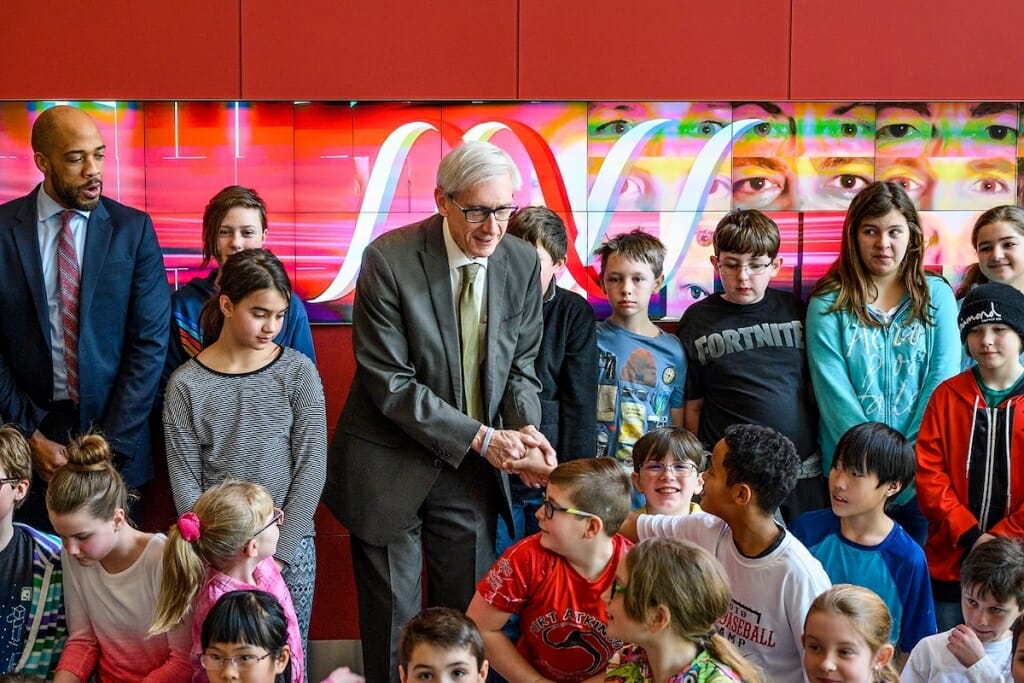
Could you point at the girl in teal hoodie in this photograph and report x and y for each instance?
(881, 333)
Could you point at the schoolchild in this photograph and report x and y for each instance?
(847, 637)
(998, 241)
(555, 580)
(441, 644)
(979, 649)
(245, 638)
(856, 542)
(667, 467)
(969, 478)
(226, 543)
(246, 408)
(234, 219)
(566, 366)
(774, 578)
(667, 596)
(31, 579)
(881, 333)
(745, 353)
(112, 576)
(641, 369)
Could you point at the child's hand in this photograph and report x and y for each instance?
(344, 675)
(533, 468)
(963, 643)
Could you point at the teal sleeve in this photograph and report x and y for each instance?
(944, 352)
(830, 376)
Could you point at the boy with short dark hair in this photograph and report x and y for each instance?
(641, 369)
(554, 580)
(745, 352)
(980, 649)
(667, 466)
(441, 644)
(856, 542)
(33, 627)
(774, 578)
(566, 364)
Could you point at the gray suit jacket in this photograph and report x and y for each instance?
(403, 420)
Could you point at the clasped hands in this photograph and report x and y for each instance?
(525, 452)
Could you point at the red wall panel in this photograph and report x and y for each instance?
(110, 49)
(378, 49)
(910, 50)
(653, 49)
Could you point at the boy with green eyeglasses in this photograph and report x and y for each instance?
(745, 353)
(554, 580)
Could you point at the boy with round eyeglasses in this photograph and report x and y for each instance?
(667, 466)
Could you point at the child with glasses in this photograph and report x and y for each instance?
(554, 580)
(112, 574)
(750, 325)
(31, 587)
(226, 543)
(246, 636)
(666, 599)
(667, 466)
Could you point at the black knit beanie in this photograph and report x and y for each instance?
(992, 302)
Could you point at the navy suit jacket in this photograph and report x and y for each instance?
(124, 309)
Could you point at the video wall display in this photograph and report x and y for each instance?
(335, 175)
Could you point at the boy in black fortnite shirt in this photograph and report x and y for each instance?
(745, 353)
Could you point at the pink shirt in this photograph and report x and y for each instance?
(268, 578)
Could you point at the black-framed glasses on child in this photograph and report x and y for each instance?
(550, 509)
(277, 519)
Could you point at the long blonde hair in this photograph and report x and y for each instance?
(229, 515)
(692, 585)
(869, 617)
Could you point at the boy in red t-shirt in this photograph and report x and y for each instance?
(554, 580)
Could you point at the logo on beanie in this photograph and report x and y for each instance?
(982, 317)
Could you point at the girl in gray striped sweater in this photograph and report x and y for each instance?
(245, 408)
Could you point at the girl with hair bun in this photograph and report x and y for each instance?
(666, 597)
(226, 543)
(112, 575)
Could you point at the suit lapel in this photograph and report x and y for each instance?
(97, 241)
(26, 238)
(497, 305)
(435, 270)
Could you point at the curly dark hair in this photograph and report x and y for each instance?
(763, 459)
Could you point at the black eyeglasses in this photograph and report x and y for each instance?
(550, 509)
(479, 214)
(617, 588)
(13, 481)
(277, 519)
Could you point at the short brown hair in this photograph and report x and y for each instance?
(598, 486)
(675, 442)
(541, 227)
(747, 231)
(442, 627)
(996, 568)
(636, 245)
(217, 208)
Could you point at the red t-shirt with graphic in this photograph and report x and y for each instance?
(562, 616)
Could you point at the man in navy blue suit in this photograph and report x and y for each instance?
(109, 381)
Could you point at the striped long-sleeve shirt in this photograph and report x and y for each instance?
(268, 426)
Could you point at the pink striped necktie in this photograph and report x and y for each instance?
(67, 263)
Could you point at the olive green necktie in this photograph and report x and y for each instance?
(469, 329)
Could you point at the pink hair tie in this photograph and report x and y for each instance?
(188, 525)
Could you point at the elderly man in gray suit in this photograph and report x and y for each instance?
(447, 323)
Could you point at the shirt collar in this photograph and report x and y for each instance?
(456, 257)
(47, 207)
